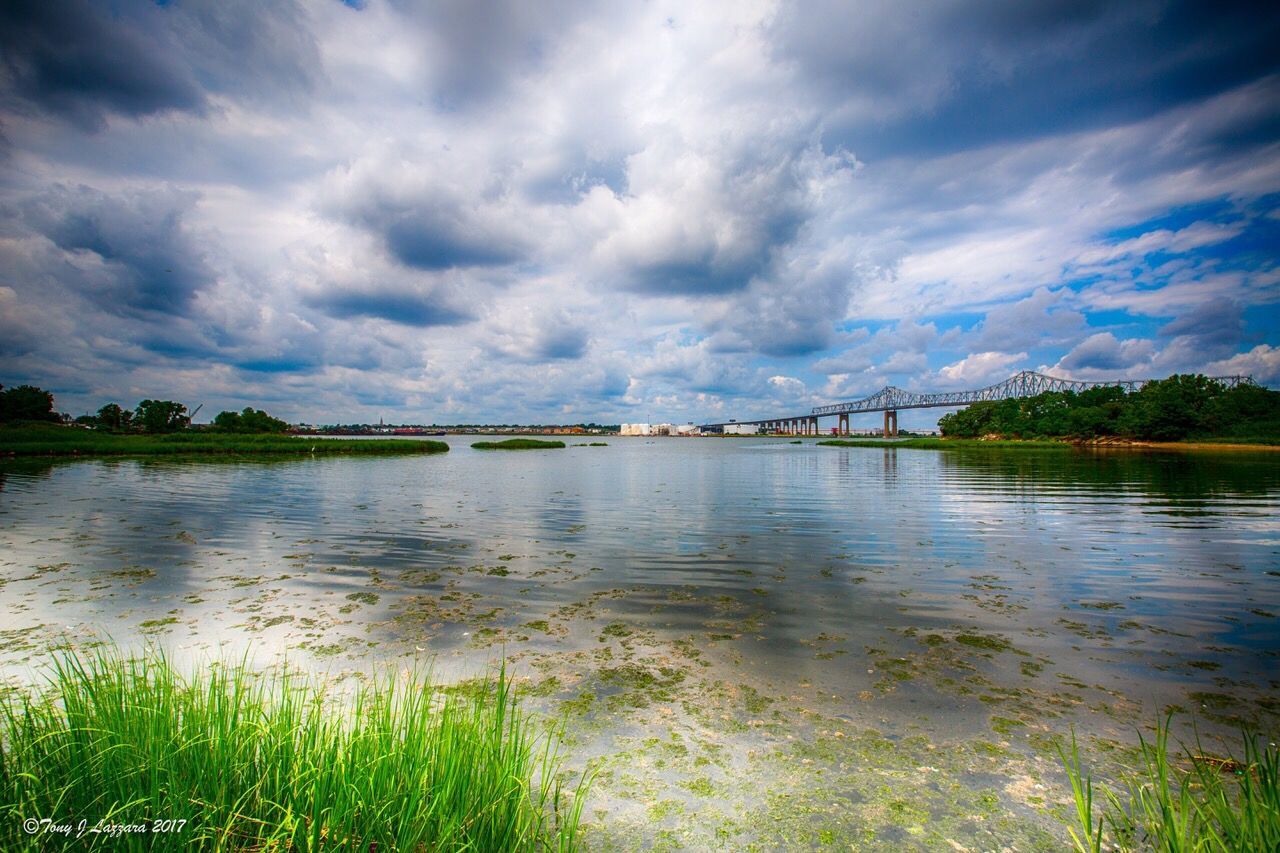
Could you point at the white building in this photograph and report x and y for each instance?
(741, 429)
(687, 429)
(636, 429)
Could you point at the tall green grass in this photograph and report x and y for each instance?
(1208, 804)
(273, 762)
(517, 444)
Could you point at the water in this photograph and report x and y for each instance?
(757, 642)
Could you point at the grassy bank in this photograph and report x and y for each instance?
(1051, 444)
(55, 440)
(940, 443)
(1207, 803)
(272, 762)
(517, 444)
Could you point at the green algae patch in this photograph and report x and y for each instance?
(984, 641)
(517, 444)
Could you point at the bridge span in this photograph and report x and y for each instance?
(890, 399)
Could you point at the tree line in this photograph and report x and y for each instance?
(27, 403)
(1182, 407)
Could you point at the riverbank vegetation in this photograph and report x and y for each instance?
(59, 440)
(517, 444)
(230, 759)
(1181, 408)
(1207, 804)
(942, 443)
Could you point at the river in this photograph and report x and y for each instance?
(755, 642)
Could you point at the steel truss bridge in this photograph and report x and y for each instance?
(890, 399)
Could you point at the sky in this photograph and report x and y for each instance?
(561, 212)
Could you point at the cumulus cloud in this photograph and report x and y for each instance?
(1041, 318)
(981, 368)
(1103, 352)
(83, 61)
(127, 252)
(964, 75)
(1262, 363)
(69, 57)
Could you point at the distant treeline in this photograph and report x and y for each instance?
(27, 403)
(1180, 408)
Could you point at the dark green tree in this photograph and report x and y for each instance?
(1172, 409)
(112, 416)
(161, 416)
(26, 403)
(248, 421)
(1249, 411)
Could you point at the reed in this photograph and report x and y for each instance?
(1206, 804)
(517, 444)
(273, 761)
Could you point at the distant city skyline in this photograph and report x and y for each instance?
(567, 212)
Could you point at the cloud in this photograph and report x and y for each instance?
(1262, 363)
(1104, 352)
(541, 335)
(1213, 324)
(981, 369)
(71, 58)
(476, 50)
(128, 252)
(429, 217)
(963, 75)
(83, 61)
(1039, 319)
(412, 309)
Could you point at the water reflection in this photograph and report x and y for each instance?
(1077, 553)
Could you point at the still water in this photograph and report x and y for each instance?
(756, 643)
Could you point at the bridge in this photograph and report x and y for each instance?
(890, 399)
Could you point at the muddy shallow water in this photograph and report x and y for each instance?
(756, 643)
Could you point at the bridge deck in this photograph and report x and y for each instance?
(1025, 384)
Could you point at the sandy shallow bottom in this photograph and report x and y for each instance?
(754, 679)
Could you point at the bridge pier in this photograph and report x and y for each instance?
(843, 428)
(890, 423)
(814, 427)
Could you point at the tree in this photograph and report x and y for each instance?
(111, 416)
(1172, 409)
(250, 420)
(26, 403)
(161, 416)
(1247, 411)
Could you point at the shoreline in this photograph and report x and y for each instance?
(72, 443)
(1048, 444)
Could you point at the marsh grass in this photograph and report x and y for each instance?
(56, 440)
(1208, 804)
(273, 762)
(517, 444)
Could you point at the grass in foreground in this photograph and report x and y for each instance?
(517, 444)
(270, 762)
(1214, 804)
(57, 440)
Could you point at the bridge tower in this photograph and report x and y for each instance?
(890, 423)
